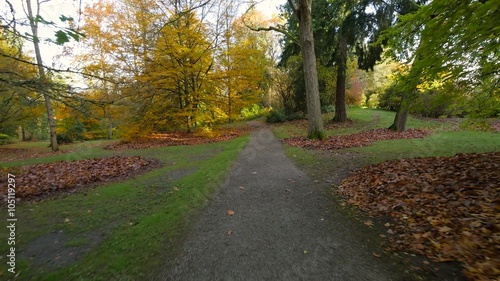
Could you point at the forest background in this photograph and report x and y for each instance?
(130, 68)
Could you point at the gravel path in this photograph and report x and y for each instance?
(284, 227)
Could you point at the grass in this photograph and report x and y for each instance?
(362, 119)
(446, 140)
(142, 220)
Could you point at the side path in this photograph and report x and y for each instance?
(283, 228)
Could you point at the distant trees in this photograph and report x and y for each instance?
(174, 69)
(150, 66)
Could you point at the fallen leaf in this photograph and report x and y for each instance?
(377, 255)
(369, 223)
(230, 212)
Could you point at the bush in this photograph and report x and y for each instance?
(476, 124)
(390, 99)
(276, 116)
(63, 138)
(279, 116)
(5, 139)
(438, 103)
(327, 108)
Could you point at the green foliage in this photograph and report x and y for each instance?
(327, 108)
(252, 112)
(436, 103)
(390, 99)
(5, 139)
(445, 38)
(276, 116)
(64, 138)
(72, 130)
(476, 124)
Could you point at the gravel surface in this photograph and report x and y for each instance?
(284, 227)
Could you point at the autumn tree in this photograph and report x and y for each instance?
(19, 103)
(32, 16)
(243, 64)
(181, 74)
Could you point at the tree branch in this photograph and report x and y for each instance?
(269, 28)
(59, 70)
(295, 9)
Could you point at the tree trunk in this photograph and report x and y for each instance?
(399, 123)
(315, 121)
(340, 99)
(110, 128)
(401, 117)
(41, 73)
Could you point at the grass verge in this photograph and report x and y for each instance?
(125, 230)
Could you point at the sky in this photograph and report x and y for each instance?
(269, 7)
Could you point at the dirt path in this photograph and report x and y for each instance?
(284, 227)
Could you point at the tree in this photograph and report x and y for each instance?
(303, 12)
(463, 49)
(243, 65)
(19, 103)
(41, 72)
(181, 72)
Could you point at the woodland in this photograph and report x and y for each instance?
(406, 90)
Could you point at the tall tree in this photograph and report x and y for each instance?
(343, 29)
(303, 11)
(243, 64)
(41, 70)
(181, 71)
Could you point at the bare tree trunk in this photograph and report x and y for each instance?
(340, 99)
(315, 121)
(110, 128)
(41, 73)
(399, 123)
(401, 117)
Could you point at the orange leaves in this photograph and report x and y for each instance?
(364, 138)
(42, 179)
(444, 207)
(178, 138)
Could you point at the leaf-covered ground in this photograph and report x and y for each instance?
(180, 138)
(40, 180)
(364, 138)
(446, 208)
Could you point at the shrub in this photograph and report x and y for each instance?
(276, 116)
(327, 108)
(390, 99)
(63, 138)
(5, 139)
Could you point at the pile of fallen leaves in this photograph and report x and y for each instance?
(44, 179)
(179, 138)
(364, 138)
(446, 208)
